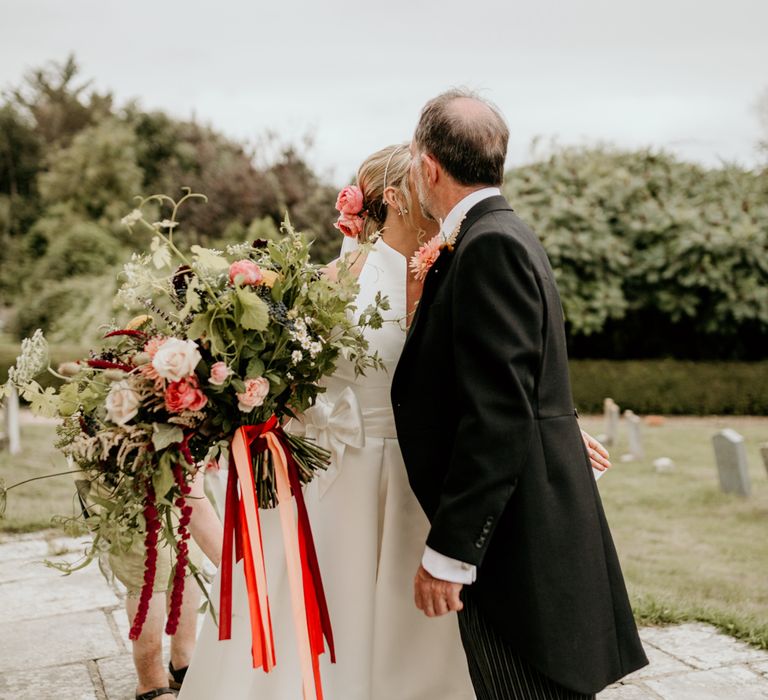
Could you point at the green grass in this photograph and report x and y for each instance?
(690, 552)
(31, 506)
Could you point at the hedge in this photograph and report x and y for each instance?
(672, 387)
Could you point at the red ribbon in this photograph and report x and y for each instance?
(242, 537)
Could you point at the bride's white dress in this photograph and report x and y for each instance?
(370, 534)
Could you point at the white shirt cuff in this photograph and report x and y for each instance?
(447, 569)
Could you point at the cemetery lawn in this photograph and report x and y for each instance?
(31, 506)
(688, 551)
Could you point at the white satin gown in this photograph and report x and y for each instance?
(370, 534)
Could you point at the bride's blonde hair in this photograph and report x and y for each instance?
(385, 168)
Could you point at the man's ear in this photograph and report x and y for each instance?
(431, 169)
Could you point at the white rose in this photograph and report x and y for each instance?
(176, 359)
(122, 403)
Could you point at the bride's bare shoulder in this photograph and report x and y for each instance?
(354, 261)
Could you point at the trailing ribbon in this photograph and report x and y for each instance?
(242, 534)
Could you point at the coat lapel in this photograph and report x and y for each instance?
(437, 272)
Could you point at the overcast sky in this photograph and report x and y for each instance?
(679, 74)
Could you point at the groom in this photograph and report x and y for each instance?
(491, 441)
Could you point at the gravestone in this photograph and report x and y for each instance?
(663, 465)
(11, 423)
(611, 414)
(731, 458)
(764, 454)
(635, 435)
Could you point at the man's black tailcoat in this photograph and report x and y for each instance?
(494, 454)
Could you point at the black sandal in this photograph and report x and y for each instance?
(177, 676)
(156, 693)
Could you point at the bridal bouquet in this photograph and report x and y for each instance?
(229, 345)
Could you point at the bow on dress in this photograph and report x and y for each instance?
(334, 427)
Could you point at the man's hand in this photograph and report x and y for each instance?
(435, 597)
(598, 455)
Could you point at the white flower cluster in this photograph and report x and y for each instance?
(139, 282)
(301, 335)
(239, 250)
(32, 360)
(132, 218)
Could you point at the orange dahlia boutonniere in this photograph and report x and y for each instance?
(425, 257)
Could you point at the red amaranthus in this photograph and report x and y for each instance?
(150, 543)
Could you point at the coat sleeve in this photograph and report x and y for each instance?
(497, 312)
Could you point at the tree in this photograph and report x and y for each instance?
(761, 109)
(97, 174)
(57, 105)
(653, 256)
(20, 162)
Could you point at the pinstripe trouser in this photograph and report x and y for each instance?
(497, 672)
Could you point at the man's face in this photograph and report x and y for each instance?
(417, 183)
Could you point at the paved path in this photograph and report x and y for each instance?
(66, 638)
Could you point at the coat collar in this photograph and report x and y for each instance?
(437, 271)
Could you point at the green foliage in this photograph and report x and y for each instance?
(20, 162)
(672, 387)
(640, 236)
(97, 173)
(70, 165)
(71, 309)
(74, 247)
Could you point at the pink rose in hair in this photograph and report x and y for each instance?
(350, 201)
(352, 226)
(245, 272)
(184, 395)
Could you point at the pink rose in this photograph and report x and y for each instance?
(350, 201)
(256, 391)
(351, 227)
(184, 395)
(219, 373)
(245, 272)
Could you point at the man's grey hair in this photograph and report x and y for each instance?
(471, 145)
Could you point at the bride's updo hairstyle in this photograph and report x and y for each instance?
(385, 168)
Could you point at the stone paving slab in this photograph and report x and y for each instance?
(702, 646)
(43, 597)
(53, 641)
(72, 681)
(20, 569)
(67, 637)
(118, 677)
(627, 692)
(761, 668)
(26, 550)
(660, 664)
(735, 682)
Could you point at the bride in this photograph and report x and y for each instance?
(368, 527)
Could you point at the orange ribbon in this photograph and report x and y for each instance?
(242, 533)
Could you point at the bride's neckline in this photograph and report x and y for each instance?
(394, 250)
